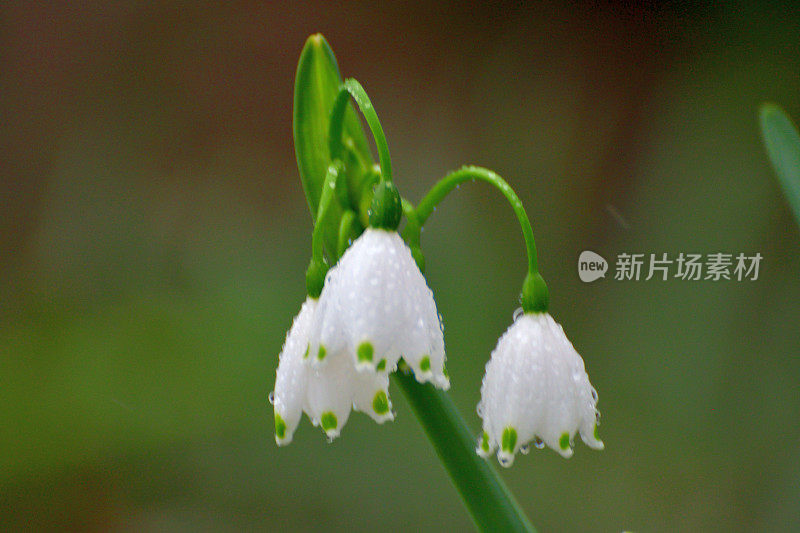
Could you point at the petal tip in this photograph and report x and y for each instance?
(505, 458)
(485, 446)
(285, 441)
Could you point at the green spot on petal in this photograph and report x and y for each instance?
(305, 355)
(596, 433)
(485, 442)
(509, 439)
(280, 426)
(321, 353)
(380, 403)
(364, 352)
(425, 364)
(564, 441)
(328, 421)
(445, 373)
(381, 365)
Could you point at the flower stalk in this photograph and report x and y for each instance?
(485, 495)
(535, 297)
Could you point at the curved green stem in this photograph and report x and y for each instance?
(491, 504)
(471, 173)
(349, 88)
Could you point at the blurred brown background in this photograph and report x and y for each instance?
(154, 237)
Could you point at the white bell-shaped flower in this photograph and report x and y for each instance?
(536, 390)
(377, 307)
(326, 393)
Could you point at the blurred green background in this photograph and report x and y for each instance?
(154, 237)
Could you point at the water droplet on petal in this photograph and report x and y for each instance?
(271, 397)
(504, 461)
(539, 443)
(525, 449)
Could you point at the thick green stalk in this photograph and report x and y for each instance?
(491, 504)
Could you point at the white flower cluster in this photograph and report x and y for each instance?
(536, 389)
(375, 308)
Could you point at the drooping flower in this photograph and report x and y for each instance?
(536, 389)
(326, 394)
(376, 307)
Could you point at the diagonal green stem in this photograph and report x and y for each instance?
(318, 267)
(490, 503)
(349, 228)
(328, 189)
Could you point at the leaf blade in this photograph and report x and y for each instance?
(782, 142)
(317, 83)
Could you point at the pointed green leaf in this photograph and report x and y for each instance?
(316, 86)
(783, 146)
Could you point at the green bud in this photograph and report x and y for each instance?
(386, 209)
(535, 297)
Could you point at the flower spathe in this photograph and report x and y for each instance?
(325, 394)
(376, 307)
(536, 389)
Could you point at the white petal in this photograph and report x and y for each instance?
(290, 381)
(329, 394)
(424, 351)
(590, 419)
(371, 395)
(328, 334)
(373, 304)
